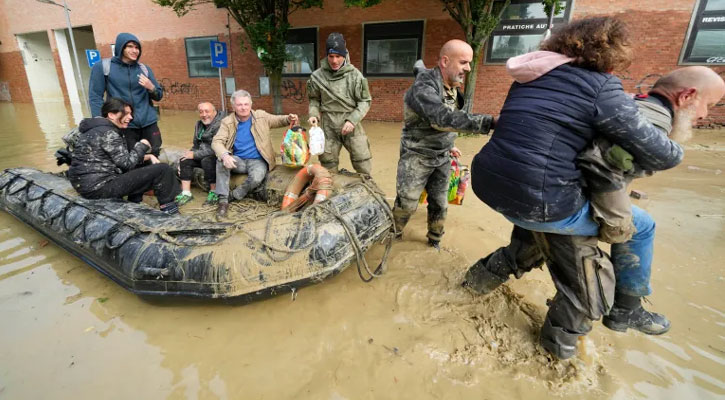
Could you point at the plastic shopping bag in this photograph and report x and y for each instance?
(458, 182)
(317, 141)
(294, 148)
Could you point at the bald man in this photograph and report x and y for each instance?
(201, 155)
(674, 104)
(432, 118)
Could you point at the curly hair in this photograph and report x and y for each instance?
(601, 44)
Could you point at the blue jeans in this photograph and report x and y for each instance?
(632, 260)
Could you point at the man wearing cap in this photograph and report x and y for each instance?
(339, 99)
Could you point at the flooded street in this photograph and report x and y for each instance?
(70, 332)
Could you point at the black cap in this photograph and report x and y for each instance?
(336, 44)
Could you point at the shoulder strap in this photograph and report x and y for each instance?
(144, 69)
(106, 66)
(657, 115)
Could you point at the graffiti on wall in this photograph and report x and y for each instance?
(293, 90)
(172, 87)
(5, 91)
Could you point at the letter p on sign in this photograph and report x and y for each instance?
(218, 54)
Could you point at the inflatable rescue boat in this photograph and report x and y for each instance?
(258, 252)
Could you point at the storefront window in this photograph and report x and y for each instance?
(523, 24)
(391, 49)
(705, 41)
(301, 51)
(198, 57)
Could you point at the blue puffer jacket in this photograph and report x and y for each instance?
(122, 82)
(528, 169)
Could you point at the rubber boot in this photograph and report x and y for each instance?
(480, 279)
(558, 341)
(628, 312)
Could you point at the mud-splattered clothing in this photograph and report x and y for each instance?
(608, 170)
(335, 98)
(100, 154)
(102, 167)
(528, 169)
(432, 115)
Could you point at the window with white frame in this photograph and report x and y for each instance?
(301, 49)
(198, 57)
(705, 40)
(391, 48)
(522, 26)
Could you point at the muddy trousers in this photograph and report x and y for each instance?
(582, 274)
(256, 170)
(415, 173)
(208, 164)
(356, 143)
(134, 183)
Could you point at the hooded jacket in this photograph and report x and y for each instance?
(122, 82)
(432, 117)
(100, 155)
(340, 96)
(203, 136)
(553, 111)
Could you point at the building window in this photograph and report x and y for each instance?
(705, 40)
(198, 57)
(392, 48)
(301, 51)
(523, 24)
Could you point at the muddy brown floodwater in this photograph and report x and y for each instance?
(69, 332)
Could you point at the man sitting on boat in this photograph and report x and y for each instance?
(243, 145)
(103, 168)
(201, 154)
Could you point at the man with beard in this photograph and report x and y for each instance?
(201, 155)
(671, 106)
(565, 96)
(432, 116)
(339, 99)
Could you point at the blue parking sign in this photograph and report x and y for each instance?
(93, 56)
(218, 54)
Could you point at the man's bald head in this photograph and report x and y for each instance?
(686, 85)
(454, 62)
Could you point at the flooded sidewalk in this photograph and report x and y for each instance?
(70, 332)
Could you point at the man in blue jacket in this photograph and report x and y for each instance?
(564, 97)
(124, 77)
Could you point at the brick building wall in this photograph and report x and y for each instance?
(659, 29)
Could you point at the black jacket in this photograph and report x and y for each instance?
(203, 136)
(432, 118)
(528, 169)
(100, 155)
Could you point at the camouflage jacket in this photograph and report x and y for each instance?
(340, 96)
(100, 154)
(203, 136)
(432, 115)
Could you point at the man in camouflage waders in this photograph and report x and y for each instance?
(340, 98)
(432, 118)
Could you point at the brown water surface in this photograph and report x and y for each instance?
(69, 332)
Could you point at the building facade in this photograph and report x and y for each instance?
(37, 62)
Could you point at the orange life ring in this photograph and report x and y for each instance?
(310, 172)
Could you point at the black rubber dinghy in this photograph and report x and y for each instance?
(151, 253)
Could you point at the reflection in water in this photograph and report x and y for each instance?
(412, 334)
